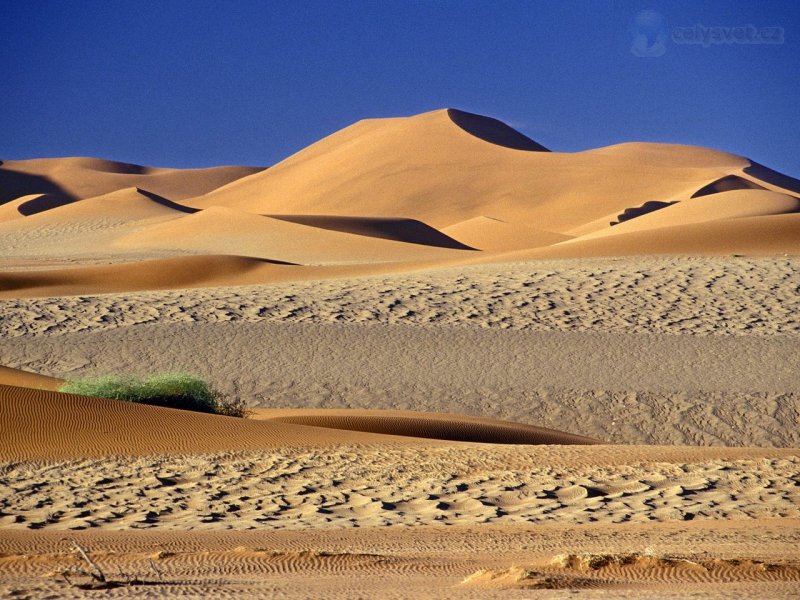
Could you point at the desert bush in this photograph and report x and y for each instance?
(171, 390)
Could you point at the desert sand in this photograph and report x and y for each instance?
(477, 367)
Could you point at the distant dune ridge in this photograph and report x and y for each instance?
(383, 195)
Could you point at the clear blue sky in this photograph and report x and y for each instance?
(199, 82)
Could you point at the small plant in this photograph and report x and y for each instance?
(170, 390)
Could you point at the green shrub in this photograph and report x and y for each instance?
(171, 390)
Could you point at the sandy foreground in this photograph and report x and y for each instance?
(477, 369)
(305, 501)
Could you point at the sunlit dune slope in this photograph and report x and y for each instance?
(702, 209)
(79, 177)
(767, 235)
(52, 425)
(494, 235)
(17, 377)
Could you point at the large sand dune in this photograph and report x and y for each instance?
(427, 167)
(383, 195)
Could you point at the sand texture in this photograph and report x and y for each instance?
(476, 368)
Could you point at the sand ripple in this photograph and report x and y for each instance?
(700, 296)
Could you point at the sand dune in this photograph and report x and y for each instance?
(84, 230)
(399, 230)
(758, 236)
(705, 208)
(43, 424)
(429, 168)
(727, 184)
(494, 235)
(77, 177)
(219, 230)
(410, 191)
(423, 425)
(29, 205)
(167, 273)
(46, 425)
(126, 204)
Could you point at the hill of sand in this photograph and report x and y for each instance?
(422, 425)
(706, 208)
(218, 230)
(44, 424)
(485, 233)
(85, 228)
(429, 167)
(29, 205)
(772, 235)
(383, 195)
(74, 178)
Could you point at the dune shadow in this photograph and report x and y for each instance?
(493, 131)
(167, 203)
(42, 203)
(14, 184)
(728, 183)
(774, 177)
(396, 229)
(638, 211)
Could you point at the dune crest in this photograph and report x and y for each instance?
(493, 131)
(74, 178)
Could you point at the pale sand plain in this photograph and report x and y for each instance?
(479, 369)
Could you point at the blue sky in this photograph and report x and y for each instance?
(199, 83)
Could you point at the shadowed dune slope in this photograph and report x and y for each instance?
(398, 230)
(767, 235)
(727, 184)
(712, 207)
(20, 378)
(219, 230)
(428, 167)
(493, 131)
(440, 426)
(79, 177)
(30, 205)
(43, 424)
(767, 175)
(494, 235)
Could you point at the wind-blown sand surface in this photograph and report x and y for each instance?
(478, 367)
